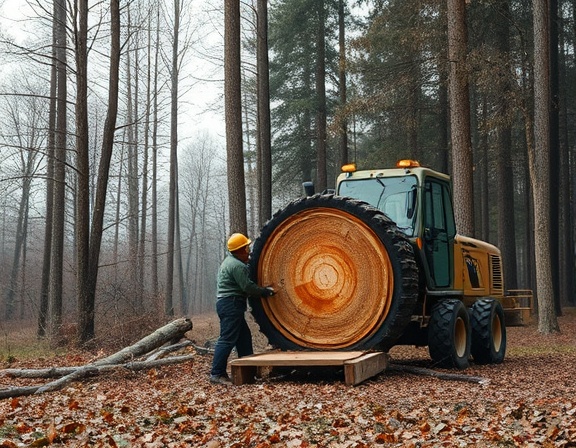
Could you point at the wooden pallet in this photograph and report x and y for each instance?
(358, 366)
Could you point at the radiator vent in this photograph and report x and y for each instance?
(496, 273)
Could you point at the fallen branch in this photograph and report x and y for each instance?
(173, 331)
(203, 350)
(76, 373)
(168, 349)
(433, 373)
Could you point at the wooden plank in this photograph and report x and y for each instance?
(358, 365)
(298, 358)
(242, 374)
(364, 367)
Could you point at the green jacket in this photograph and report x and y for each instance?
(234, 280)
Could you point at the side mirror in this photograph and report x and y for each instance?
(308, 188)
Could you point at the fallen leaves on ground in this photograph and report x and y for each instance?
(529, 401)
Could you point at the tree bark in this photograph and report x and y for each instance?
(342, 68)
(154, 217)
(233, 118)
(97, 229)
(504, 167)
(85, 310)
(173, 186)
(56, 267)
(554, 154)
(462, 163)
(264, 126)
(539, 162)
(50, 147)
(321, 164)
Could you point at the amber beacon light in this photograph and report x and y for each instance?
(407, 163)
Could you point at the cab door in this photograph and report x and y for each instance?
(439, 233)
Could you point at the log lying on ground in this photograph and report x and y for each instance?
(172, 331)
(57, 372)
(433, 373)
(75, 373)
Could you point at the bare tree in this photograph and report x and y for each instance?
(85, 310)
(173, 187)
(57, 244)
(50, 153)
(154, 217)
(132, 89)
(22, 129)
(97, 229)
(145, 161)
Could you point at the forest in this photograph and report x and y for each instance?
(136, 136)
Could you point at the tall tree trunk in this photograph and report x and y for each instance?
(173, 188)
(342, 67)
(462, 163)
(104, 166)
(504, 173)
(145, 162)
(321, 165)
(118, 219)
(154, 265)
(443, 125)
(554, 154)
(233, 118)
(184, 291)
(57, 264)
(567, 265)
(21, 225)
(132, 170)
(252, 178)
(484, 169)
(45, 282)
(85, 306)
(539, 162)
(264, 126)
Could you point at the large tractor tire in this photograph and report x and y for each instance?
(345, 276)
(449, 335)
(488, 332)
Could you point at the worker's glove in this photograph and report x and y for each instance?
(269, 291)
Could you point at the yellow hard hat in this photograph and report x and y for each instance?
(237, 241)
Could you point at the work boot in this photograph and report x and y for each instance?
(220, 379)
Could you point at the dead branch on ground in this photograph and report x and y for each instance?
(125, 358)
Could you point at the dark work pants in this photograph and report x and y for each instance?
(234, 332)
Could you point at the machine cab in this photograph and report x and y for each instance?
(419, 201)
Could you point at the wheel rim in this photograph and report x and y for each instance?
(332, 293)
(497, 333)
(460, 337)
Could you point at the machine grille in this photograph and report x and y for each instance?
(497, 278)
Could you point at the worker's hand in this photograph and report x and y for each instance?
(270, 291)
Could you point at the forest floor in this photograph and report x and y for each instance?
(528, 401)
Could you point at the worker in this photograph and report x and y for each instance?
(234, 287)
